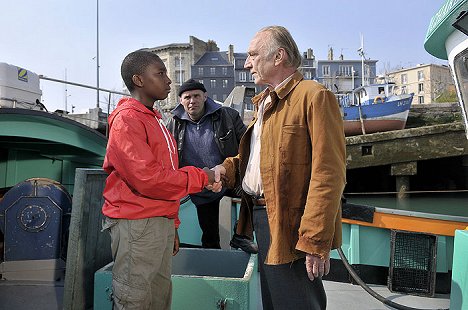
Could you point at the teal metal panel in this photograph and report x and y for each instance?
(202, 279)
(365, 245)
(459, 290)
(103, 288)
(371, 246)
(23, 165)
(189, 229)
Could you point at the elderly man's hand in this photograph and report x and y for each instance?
(317, 267)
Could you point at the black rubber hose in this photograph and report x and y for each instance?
(369, 290)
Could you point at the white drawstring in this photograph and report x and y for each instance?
(169, 142)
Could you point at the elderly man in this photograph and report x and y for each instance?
(206, 133)
(292, 168)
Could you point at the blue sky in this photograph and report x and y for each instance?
(51, 36)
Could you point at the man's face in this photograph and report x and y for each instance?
(257, 61)
(155, 82)
(194, 103)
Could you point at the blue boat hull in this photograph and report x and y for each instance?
(377, 115)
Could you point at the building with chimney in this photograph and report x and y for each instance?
(217, 74)
(178, 59)
(342, 76)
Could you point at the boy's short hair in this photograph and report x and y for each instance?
(136, 63)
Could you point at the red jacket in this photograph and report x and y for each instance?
(142, 161)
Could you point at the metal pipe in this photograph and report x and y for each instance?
(43, 77)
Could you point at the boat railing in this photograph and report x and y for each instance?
(15, 103)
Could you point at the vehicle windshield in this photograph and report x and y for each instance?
(460, 64)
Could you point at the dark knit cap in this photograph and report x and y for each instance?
(191, 85)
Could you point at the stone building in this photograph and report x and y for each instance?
(178, 59)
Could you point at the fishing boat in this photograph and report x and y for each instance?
(374, 108)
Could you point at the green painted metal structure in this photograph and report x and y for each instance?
(202, 279)
(41, 144)
(441, 27)
(364, 245)
(459, 290)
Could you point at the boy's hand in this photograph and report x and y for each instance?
(176, 243)
(214, 180)
(211, 175)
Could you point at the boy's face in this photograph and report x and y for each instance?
(155, 84)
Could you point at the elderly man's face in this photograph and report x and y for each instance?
(257, 62)
(194, 103)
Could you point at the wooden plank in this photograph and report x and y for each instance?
(88, 248)
(406, 145)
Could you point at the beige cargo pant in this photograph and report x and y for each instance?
(142, 253)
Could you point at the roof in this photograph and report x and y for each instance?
(346, 61)
(213, 59)
(441, 27)
(170, 46)
(418, 67)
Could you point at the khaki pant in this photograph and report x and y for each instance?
(142, 252)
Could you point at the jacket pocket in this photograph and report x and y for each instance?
(295, 145)
(226, 136)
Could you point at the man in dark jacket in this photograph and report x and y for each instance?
(206, 134)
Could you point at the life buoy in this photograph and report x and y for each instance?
(376, 99)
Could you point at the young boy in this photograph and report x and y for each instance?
(143, 189)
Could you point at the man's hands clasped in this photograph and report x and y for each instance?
(215, 176)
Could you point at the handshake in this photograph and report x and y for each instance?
(216, 175)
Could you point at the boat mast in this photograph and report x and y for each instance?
(361, 53)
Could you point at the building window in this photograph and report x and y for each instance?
(200, 71)
(179, 76)
(225, 83)
(224, 71)
(345, 70)
(242, 76)
(215, 97)
(421, 99)
(251, 78)
(179, 62)
(212, 71)
(420, 75)
(403, 90)
(308, 75)
(213, 83)
(326, 70)
(404, 79)
(420, 87)
(200, 81)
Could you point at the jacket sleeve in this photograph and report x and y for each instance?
(328, 175)
(131, 156)
(231, 165)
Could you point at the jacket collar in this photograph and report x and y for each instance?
(282, 91)
(210, 107)
(132, 104)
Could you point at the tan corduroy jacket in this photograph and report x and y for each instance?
(302, 165)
